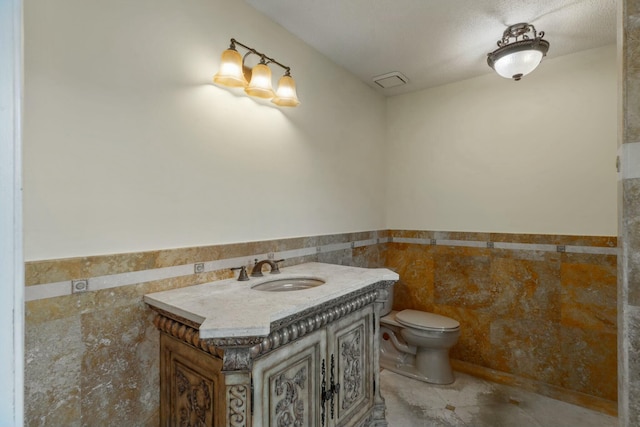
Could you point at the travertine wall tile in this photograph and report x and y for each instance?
(413, 234)
(632, 110)
(53, 361)
(45, 310)
(631, 208)
(526, 347)
(341, 257)
(526, 289)
(75, 268)
(414, 263)
(48, 271)
(597, 241)
(463, 277)
(92, 357)
(589, 304)
(120, 367)
(515, 306)
(510, 304)
(461, 235)
(589, 361)
(474, 344)
(369, 256)
(529, 255)
(629, 221)
(632, 344)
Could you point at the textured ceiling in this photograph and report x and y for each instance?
(434, 42)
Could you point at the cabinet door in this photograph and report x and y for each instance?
(191, 386)
(286, 384)
(350, 345)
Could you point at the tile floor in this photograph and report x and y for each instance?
(474, 402)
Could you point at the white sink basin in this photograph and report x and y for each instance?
(288, 285)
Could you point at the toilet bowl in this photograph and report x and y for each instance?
(416, 344)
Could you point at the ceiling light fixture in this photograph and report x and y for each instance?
(516, 59)
(257, 81)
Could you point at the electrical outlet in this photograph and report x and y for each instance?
(271, 256)
(198, 267)
(80, 285)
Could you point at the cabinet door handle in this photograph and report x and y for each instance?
(328, 394)
(323, 392)
(334, 389)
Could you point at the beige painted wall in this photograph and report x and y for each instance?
(128, 145)
(492, 155)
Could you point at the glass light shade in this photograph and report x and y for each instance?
(518, 64)
(260, 85)
(286, 94)
(230, 73)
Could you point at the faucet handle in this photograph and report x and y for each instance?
(242, 277)
(276, 268)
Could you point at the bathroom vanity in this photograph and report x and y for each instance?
(231, 355)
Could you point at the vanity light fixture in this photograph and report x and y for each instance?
(516, 58)
(257, 81)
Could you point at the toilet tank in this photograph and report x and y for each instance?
(388, 305)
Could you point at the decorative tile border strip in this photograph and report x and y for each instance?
(57, 289)
(595, 250)
(471, 240)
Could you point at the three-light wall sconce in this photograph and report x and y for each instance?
(257, 81)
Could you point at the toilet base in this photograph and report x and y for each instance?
(430, 365)
(409, 370)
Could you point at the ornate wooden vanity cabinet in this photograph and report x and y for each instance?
(318, 367)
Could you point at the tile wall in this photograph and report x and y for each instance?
(629, 211)
(92, 357)
(536, 311)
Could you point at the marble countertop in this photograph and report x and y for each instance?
(229, 308)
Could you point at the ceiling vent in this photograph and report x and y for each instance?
(388, 80)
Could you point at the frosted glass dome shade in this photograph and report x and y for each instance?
(518, 64)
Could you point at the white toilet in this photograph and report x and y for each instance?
(416, 343)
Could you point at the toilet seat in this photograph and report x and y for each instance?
(427, 321)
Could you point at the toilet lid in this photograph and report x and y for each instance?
(422, 320)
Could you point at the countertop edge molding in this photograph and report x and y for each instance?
(233, 310)
(239, 352)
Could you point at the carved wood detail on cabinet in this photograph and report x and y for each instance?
(351, 352)
(278, 380)
(193, 398)
(190, 386)
(237, 399)
(351, 340)
(290, 407)
(286, 383)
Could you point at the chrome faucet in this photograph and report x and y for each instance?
(257, 268)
